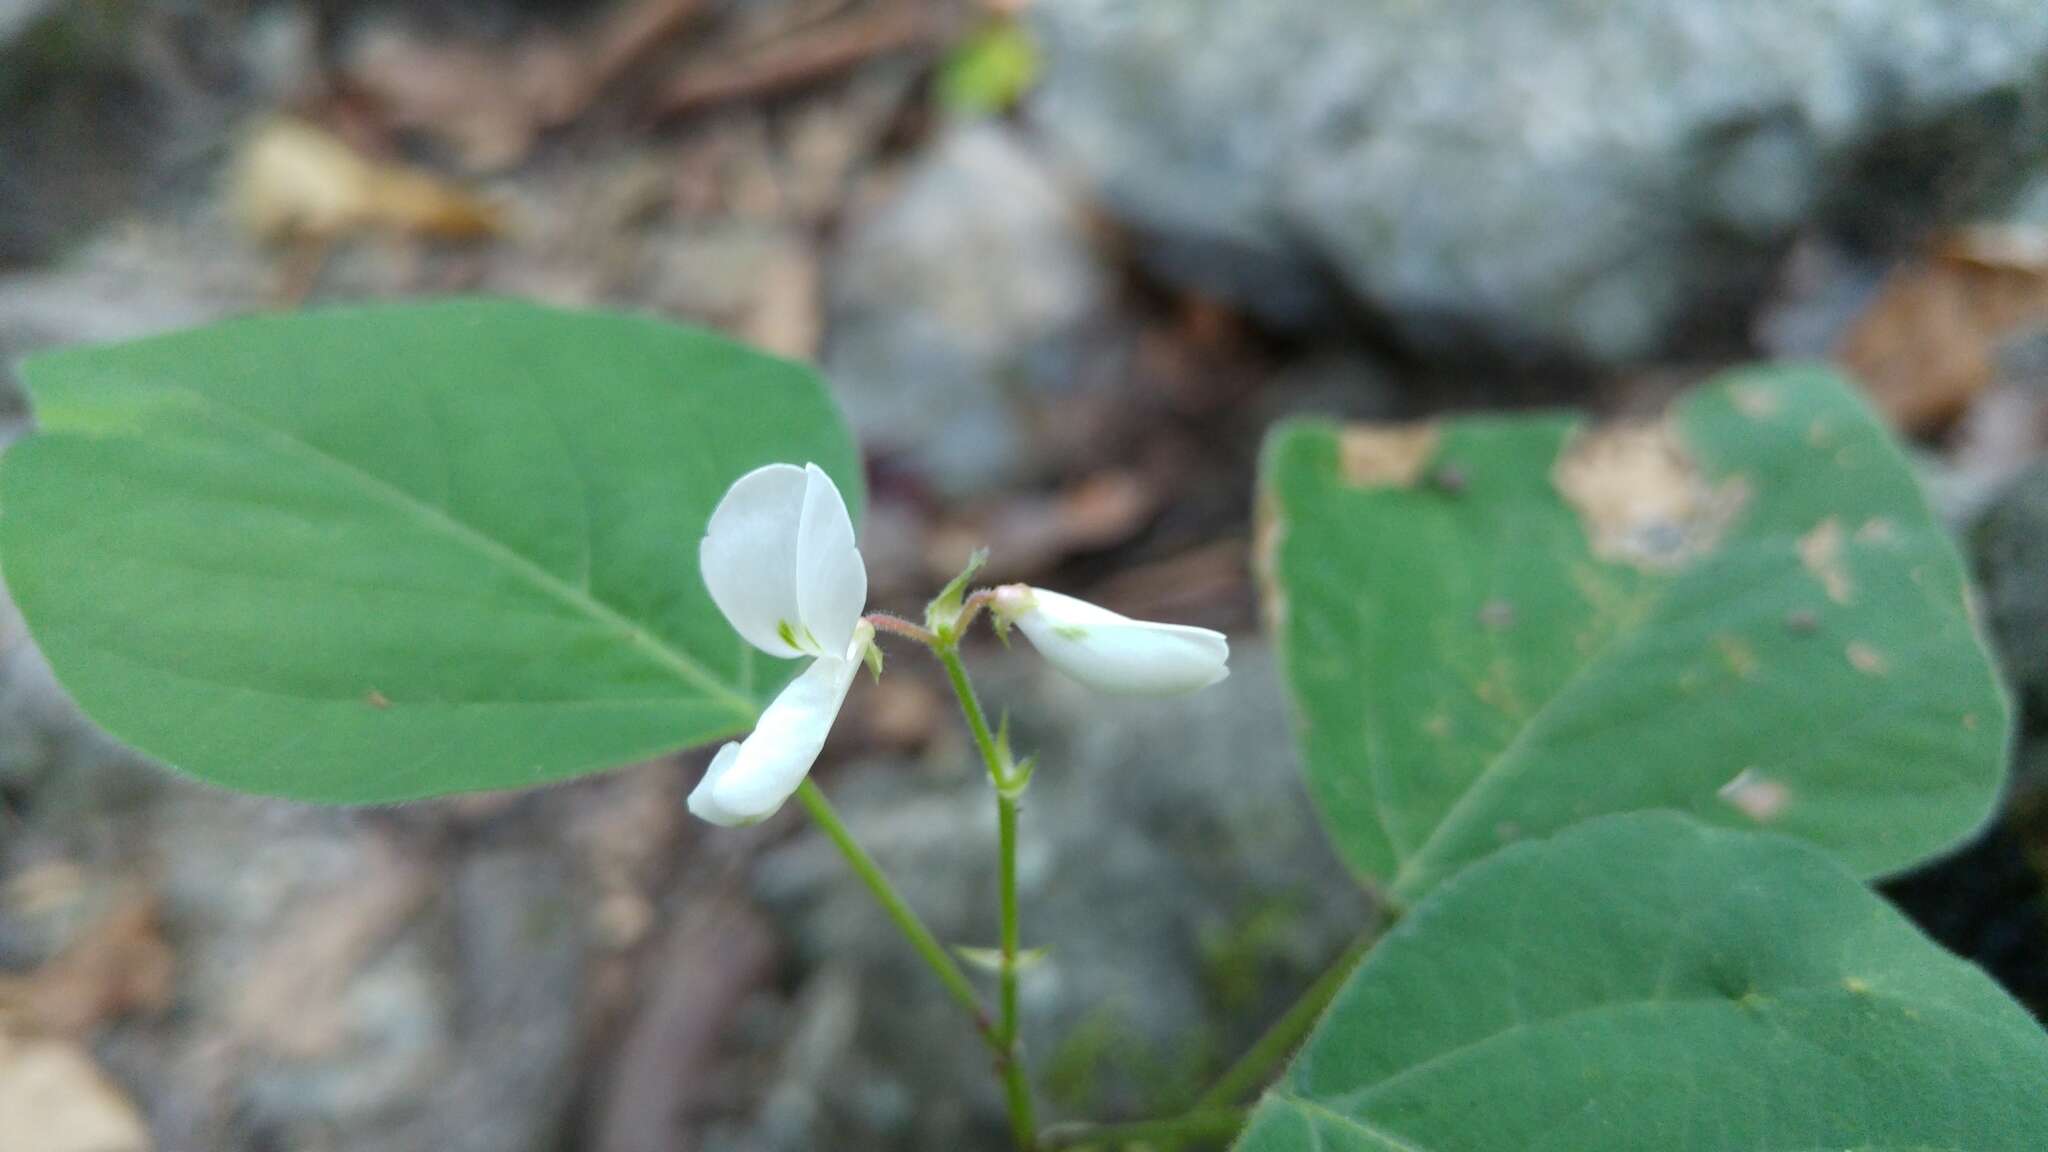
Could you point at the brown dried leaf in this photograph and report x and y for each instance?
(53, 1098)
(121, 965)
(295, 182)
(1929, 343)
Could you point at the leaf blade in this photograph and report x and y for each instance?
(412, 550)
(1483, 643)
(1647, 981)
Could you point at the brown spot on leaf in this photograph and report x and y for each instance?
(1802, 622)
(1820, 550)
(1269, 530)
(1755, 401)
(1877, 530)
(1641, 498)
(1739, 656)
(1497, 615)
(1756, 795)
(377, 699)
(1385, 456)
(1866, 659)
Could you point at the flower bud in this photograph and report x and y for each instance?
(1111, 653)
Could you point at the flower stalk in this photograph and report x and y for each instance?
(898, 910)
(780, 559)
(1008, 780)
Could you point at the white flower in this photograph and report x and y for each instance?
(780, 562)
(1112, 653)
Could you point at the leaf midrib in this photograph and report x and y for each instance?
(491, 549)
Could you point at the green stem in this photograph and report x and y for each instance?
(1209, 1124)
(928, 947)
(1257, 1067)
(1015, 1086)
(1016, 1083)
(970, 704)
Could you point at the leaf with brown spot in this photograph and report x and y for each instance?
(1624, 619)
(1375, 457)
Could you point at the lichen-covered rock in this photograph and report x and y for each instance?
(964, 307)
(1533, 175)
(1169, 862)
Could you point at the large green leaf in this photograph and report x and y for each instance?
(1647, 982)
(1494, 628)
(369, 555)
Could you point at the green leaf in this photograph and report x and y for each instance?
(1496, 627)
(1647, 982)
(990, 70)
(370, 555)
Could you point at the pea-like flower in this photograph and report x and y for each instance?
(780, 561)
(1111, 653)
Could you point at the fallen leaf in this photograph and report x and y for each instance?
(293, 182)
(1930, 341)
(53, 1098)
(120, 965)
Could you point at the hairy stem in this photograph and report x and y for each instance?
(883, 622)
(913, 928)
(977, 721)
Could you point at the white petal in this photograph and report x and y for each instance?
(1118, 655)
(703, 804)
(778, 755)
(749, 557)
(831, 579)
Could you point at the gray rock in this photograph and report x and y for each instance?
(17, 15)
(331, 992)
(1169, 862)
(964, 307)
(85, 114)
(1536, 175)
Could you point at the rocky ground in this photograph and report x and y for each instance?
(1061, 329)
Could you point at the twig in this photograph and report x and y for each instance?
(803, 61)
(626, 41)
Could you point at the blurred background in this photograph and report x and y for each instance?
(1063, 261)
